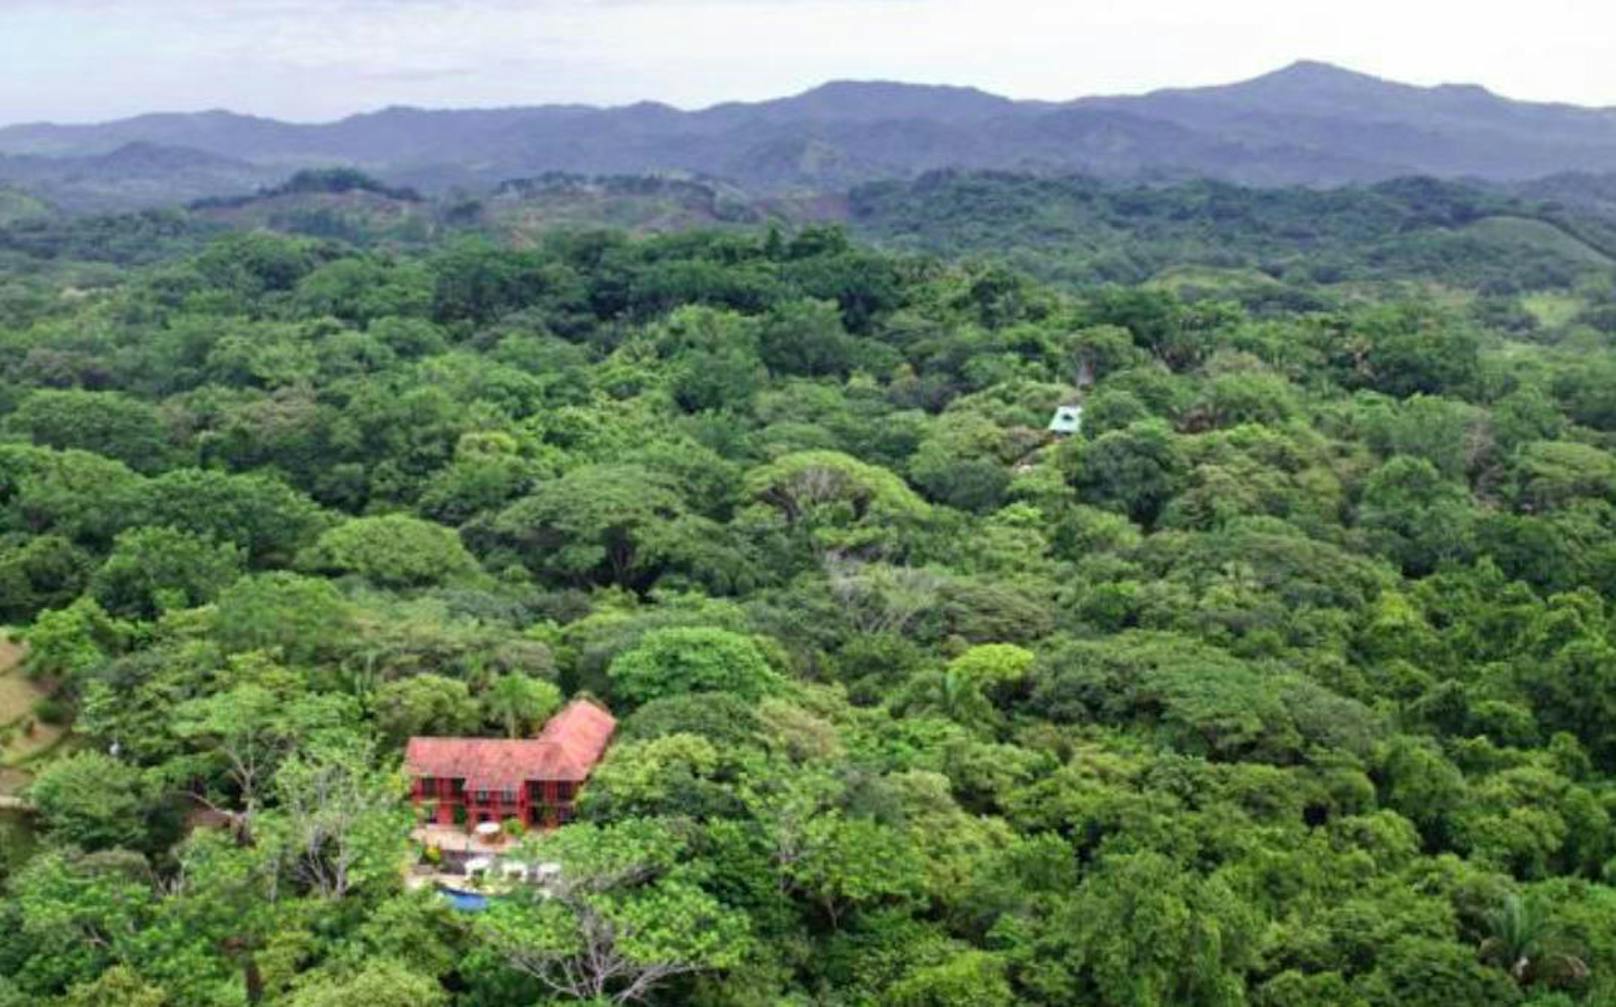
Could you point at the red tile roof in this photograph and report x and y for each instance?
(565, 751)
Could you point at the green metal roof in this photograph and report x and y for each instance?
(1068, 420)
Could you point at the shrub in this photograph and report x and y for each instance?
(53, 711)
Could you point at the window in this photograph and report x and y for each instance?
(482, 797)
(428, 784)
(457, 787)
(566, 791)
(509, 795)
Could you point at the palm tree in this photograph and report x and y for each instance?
(1529, 946)
(362, 674)
(955, 694)
(516, 701)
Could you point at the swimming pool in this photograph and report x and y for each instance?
(465, 902)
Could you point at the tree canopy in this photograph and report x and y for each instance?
(1288, 680)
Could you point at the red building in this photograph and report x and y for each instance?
(533, 780)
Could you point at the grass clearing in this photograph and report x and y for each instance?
(1178, 278)
(1552, 309)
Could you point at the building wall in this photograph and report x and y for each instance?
(538, 802)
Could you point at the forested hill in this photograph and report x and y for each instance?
(1307, 124)
(1082, 230)
(1532, 257)
(1288, 681)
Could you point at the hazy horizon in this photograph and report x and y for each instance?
(962, 85)
(308, 61)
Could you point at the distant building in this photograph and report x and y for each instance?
(1068, 420)
(533, 780)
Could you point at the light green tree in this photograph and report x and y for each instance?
(380, 983)
(683, 659)
(338, 822)
(395, 551)
(623, 917)
(845, 864)
(424, 704)
(119, 986)
(153, 570)
(92, 801)
(842, 505)
(967, 979)
(250, 729)
(304, 617)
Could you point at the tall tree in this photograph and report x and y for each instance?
(518, 702)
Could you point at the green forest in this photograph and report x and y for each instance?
(1288, 681)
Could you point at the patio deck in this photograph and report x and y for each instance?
(454, 839)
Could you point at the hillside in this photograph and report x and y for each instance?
(1283, 247)
(1446, 131)
(1083, 230)
(524, 209)
(17, 206)
(137, 175)
(1309, 124)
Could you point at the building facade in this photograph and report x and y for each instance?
(533, 780)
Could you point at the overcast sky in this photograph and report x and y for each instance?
(81, 60)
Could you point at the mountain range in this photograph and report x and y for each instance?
(1309, 124)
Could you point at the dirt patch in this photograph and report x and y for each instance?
(10, 654)
(17, 697)
(22, 737)
(17, 694)
(13, 782)
(24, 746)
